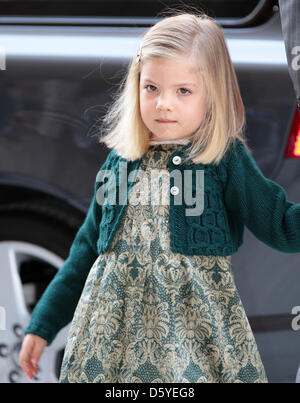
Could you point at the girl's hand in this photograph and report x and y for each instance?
(31, 351)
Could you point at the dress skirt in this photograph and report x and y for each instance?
(149, 315)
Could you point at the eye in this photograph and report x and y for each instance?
(185, 89)
(150, 86)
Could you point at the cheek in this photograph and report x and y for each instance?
(145, 107)
(198, 108)
(190, 110)
(193, 114)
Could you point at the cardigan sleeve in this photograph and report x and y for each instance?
(56, 307)
(260, 203)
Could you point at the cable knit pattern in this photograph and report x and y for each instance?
(112, 214)
(205, 234)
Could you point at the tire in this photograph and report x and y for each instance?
(35, 239)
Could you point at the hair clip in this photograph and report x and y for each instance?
(139, 56)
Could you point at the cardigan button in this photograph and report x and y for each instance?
(174, 190)
(176, 160)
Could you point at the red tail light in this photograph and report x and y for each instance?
(293, 143)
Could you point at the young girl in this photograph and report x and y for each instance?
(154, 281)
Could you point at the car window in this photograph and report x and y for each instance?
(122, 8)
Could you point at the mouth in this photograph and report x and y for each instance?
(165, 121)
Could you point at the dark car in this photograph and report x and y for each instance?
(60, 64)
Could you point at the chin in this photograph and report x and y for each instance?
(164, 137)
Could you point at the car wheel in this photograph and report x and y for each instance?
(35, 238)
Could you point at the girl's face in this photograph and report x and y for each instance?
(172, 97)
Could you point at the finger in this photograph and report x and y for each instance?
(28, 369)
(25, 357)
(36, 354)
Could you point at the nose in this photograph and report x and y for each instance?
(164, 103)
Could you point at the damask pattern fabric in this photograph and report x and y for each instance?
(147, 314)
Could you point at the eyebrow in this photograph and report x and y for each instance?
(175, 85)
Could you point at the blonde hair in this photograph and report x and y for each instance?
(224, 120)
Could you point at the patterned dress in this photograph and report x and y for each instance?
(149, 315)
